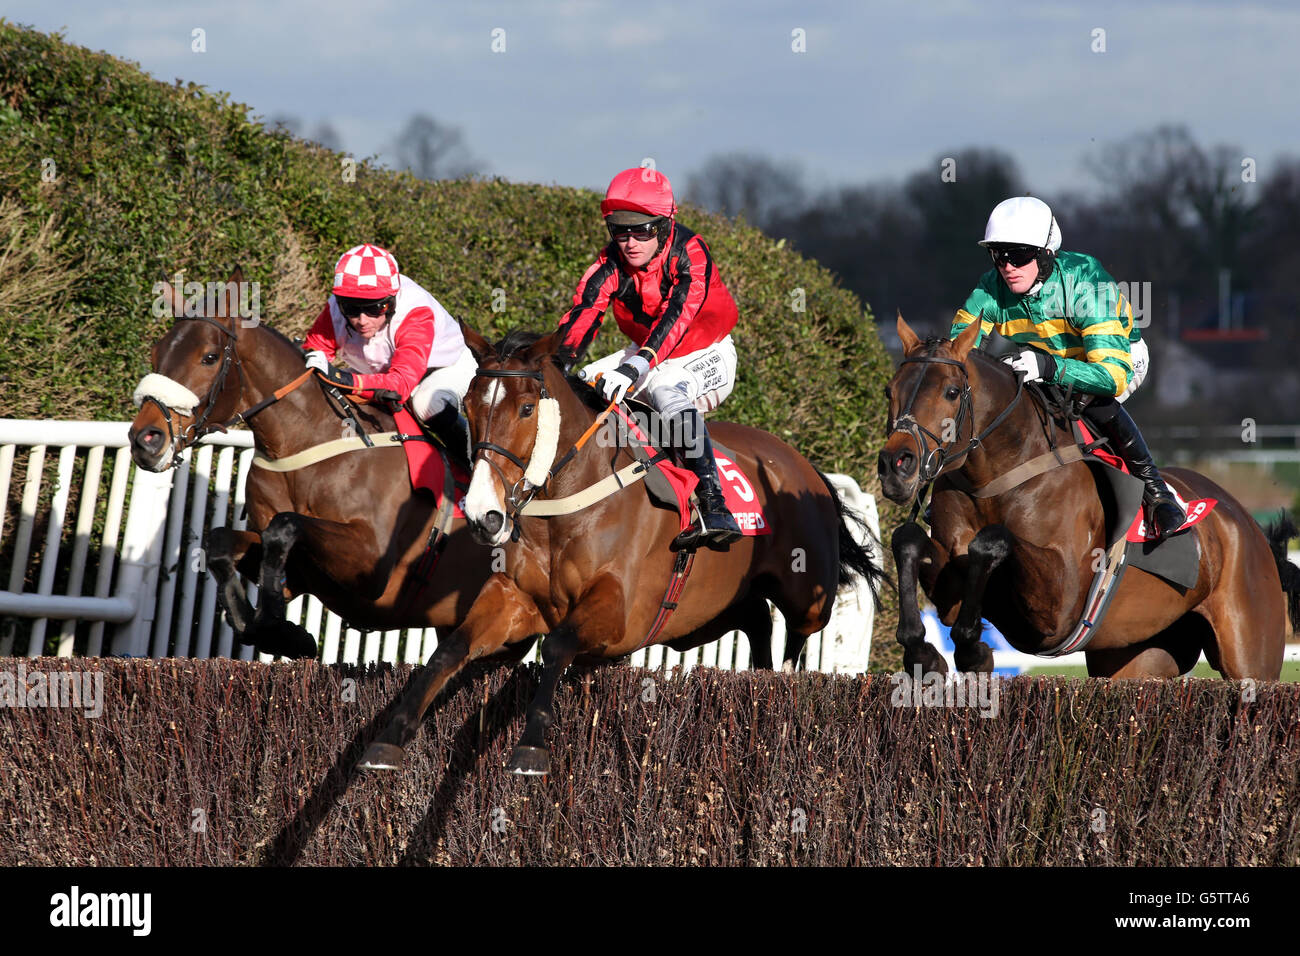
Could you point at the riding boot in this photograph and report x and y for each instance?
(1115, 424)
(451, 428)
(717, 527)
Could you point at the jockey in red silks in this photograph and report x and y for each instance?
(670, 301)
(398, 341)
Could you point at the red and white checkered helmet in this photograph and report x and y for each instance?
(366, 272)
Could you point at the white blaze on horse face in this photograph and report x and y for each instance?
(482, 499)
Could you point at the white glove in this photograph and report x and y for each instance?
(1033, 364)
(318, 361)
(614, 385)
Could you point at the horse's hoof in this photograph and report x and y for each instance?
(380, 756)
(285, 639)
(974, 658)
(530, 761)
(926, 657)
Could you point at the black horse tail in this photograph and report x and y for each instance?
(857, 561)
(1279, 533)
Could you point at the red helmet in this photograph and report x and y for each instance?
(638, 195)
(366, 272)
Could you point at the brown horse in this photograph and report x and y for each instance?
(595, 580)
(1024, 558)
(348, 529)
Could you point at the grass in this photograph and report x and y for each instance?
(1290, 671)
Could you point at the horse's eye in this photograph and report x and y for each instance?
(526, 410)
(210, 358)
(951, 392)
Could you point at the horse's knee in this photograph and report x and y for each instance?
(909, 539)
(990, 546)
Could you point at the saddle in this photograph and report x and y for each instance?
(670, 485)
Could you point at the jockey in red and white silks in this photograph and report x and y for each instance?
(394, 336)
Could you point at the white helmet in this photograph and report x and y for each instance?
(1024, 221)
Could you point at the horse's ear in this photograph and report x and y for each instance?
(478, 346)
(543, 347)
(966, 341)
(909, 338)
(228, 298)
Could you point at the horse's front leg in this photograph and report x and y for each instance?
(226, 550)
(986, 551)
(530, 756)
(501, 615)
(592, 623)
(910, 545)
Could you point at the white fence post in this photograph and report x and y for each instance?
(142, 544)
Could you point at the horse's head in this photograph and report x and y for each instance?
(931, 417)
(191, 384)
(514, 425)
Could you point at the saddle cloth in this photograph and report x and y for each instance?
(738, 492)
(428, 463)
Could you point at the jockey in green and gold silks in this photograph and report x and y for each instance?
(1074, 327)
(1091, 340)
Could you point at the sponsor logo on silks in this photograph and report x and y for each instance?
(749, 520)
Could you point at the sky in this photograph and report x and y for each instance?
(572, 91)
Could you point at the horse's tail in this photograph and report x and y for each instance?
(1279, 533)
(857, 561)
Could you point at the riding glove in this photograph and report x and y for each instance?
(614, 385)
(1034, 364)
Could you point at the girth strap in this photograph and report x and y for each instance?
(676, 584)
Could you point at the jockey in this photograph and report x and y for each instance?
(400, 340)
(1074, 328)
(669, 299)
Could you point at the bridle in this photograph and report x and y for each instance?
(199, 427)
(521, 492)
(934, 460)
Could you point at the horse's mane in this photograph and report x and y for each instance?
(516, 340)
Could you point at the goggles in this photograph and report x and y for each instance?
(352, 308)
(1014, 255)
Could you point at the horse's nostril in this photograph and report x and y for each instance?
(492, 521)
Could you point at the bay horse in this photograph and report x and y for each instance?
(349, 529)
(1024, 558)
(595, 580)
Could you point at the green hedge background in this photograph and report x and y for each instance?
(111, 181)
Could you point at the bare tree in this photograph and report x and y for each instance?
(432, 150)
(761, 189)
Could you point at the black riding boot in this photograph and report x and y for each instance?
(1115, 424)
(717, 528)
(450, 427)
